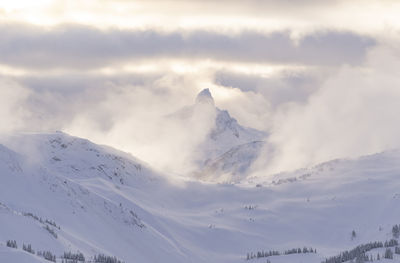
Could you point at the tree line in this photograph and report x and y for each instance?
(66, 257)
(264, 254)
(358, 253)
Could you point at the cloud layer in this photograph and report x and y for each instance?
(355, 112)
(86, 47)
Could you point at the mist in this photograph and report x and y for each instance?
(354, 112)
(133, 118)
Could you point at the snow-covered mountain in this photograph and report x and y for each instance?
(227, 133)
(228, 149)
(60, 193)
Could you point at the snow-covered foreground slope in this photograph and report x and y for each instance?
(60, 193)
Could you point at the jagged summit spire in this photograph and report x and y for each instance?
(205, 97)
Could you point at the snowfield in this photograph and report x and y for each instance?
(62, 193)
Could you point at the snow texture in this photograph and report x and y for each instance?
(62, 193)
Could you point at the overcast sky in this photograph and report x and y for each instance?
(319, 76)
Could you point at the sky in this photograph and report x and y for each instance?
(319, 76)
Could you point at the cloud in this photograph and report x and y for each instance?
(126, 112)
(351, 112)
(12, 112)
(137, 119)
(355, 112)
(129, 112)
(277, 89)
(249, 108)
(83, 47)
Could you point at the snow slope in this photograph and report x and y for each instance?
(99, 200)
(232, 166)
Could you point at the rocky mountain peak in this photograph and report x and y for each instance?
(205, 97)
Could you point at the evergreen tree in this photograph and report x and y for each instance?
(397, 250)
(388, 253)
(396, 231)
(11, 243)
(353, 234)
(28, 248)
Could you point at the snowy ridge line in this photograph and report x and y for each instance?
(257, 181)
(304, 173)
